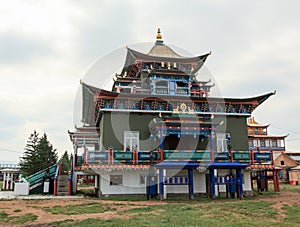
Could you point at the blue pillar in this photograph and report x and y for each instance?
(191, 183)
(240, 182)
(212, 183)
(211, 144)
(161, 183)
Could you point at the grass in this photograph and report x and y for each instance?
(23, 219)
(290, 188)
(292, 213)
(173, 212)
(60, 223)
(3, 215)
(227, 213)
(124, 198)
(5, 218)
(84, 208)
(1, 185)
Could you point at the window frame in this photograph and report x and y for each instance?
(115, 182)
(144, 179)
(131, 136)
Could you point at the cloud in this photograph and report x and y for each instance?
(15, 49)
(45, 48)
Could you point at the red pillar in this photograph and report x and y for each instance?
(55, 187)
(161, 151)
(110, 156)
(251, 180)
(267, 182)
(69, 187)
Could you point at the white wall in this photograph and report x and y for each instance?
(131, 183)
(247, 181)
(199, 182)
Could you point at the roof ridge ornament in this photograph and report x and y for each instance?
(159, 40)
(158, 35)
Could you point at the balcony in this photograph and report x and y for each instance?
(112, 157)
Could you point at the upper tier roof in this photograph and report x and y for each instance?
(252, 123)
(162, 53)
(161, 50)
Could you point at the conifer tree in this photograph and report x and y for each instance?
(46, 155)
(65, 162)
(38, 155)
(28, 160)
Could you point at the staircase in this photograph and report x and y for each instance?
(62, 185)
(36, 180)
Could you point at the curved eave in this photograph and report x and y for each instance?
(133, 55)
(88, 111)
(143, 56)
(267, 136)
(257, 126)
(259, 99)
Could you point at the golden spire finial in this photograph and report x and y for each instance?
(158, 35)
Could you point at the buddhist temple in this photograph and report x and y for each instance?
(158, 131)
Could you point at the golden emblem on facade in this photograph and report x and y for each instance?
(184, 109)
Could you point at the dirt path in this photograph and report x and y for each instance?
(44, 217)
(284, 198)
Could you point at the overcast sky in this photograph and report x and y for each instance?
(46, 47)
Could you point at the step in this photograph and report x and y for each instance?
(62, 193)
(63, 177)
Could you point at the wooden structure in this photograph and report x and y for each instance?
(9, 176)
(285, 163)
(258, 137)
(158, 115)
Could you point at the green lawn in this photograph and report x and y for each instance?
(85, 208)
(181, 212)
(5, 218)
(220, 212)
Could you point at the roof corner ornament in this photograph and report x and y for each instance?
(274, 92)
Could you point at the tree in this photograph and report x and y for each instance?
(39, 154)
(47, 156)
(65, 162)
(28, 160)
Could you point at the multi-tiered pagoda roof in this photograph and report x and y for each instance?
(160, 81)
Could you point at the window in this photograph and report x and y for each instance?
(280, 143)
(222, 142)
(131, 140)
(116, 179)
(280, 174)
(267, 143)
(282, 163)
(254, 143)
(262, 143)
(250, 143)
(274, 143)
(142, 179)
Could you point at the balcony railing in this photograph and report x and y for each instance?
(269, 148)
(146, 157)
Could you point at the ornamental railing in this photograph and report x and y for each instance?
(163, 105)
(110, 157)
